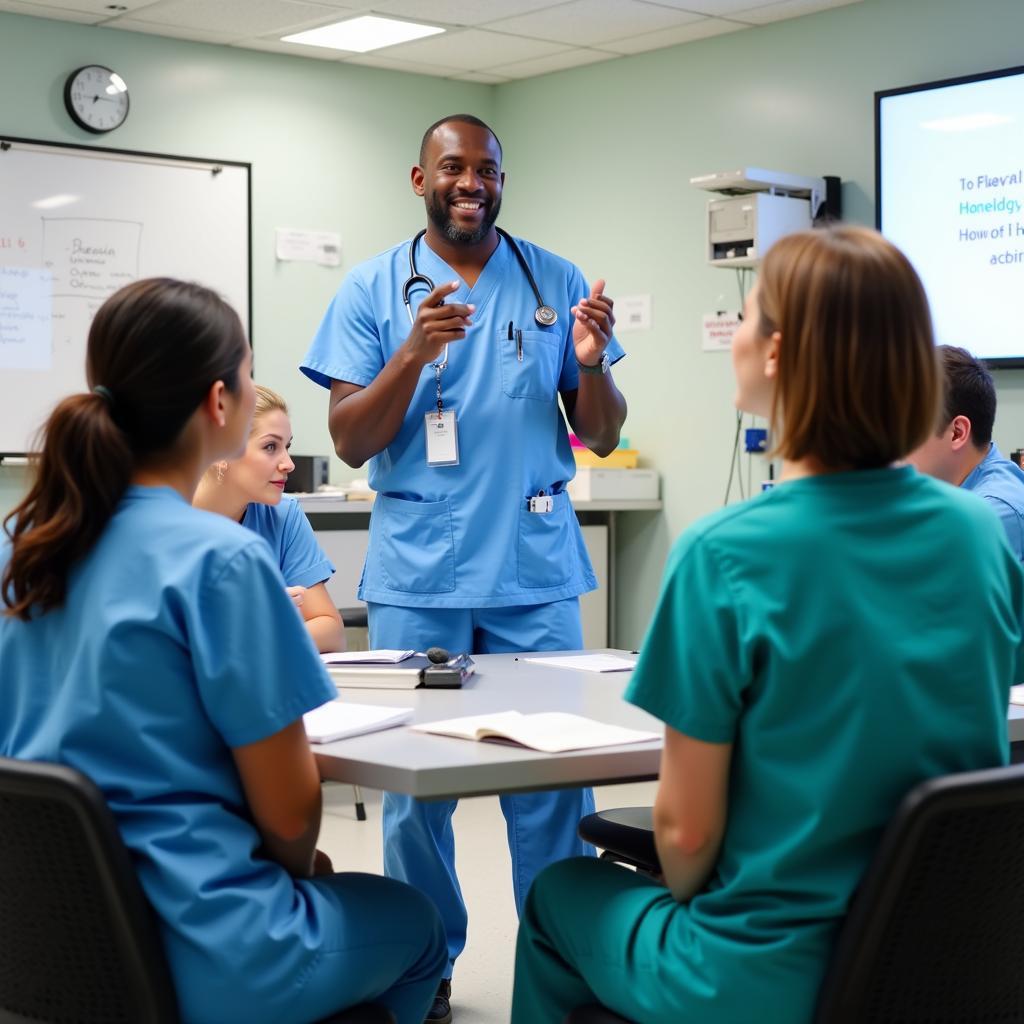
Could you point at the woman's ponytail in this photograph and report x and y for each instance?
(82, 471)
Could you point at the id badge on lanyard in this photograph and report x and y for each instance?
(440, 429)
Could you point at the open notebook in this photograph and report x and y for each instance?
(550, 731)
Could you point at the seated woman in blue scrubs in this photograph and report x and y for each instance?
(250, 490)
(815, 652)
(153, 647)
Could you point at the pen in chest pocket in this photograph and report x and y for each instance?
(518, 334)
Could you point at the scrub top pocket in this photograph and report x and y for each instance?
(547, 548)
(417, 549)
(536, 374)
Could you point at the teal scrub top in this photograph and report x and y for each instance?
(851, 635)
(286, 529)
(462, 536)
(176, 642)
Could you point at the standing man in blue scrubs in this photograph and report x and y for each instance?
(963, 453)
(446, 357)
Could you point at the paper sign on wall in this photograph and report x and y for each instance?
(323, 247)
(632, 313)
(718, 329)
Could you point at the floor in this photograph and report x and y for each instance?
(482, 986)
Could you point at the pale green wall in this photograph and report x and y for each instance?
(616, 144)
(598, 162)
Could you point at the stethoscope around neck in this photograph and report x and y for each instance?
(543, 314)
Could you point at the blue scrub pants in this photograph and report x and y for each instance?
(419, 844)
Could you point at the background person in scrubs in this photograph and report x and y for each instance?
(962, 451)
(815, 652)
(456, 557)
(250, 490)
(152, 646)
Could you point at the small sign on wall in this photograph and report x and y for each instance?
(633, 313)
(718, 329)
(323, 247)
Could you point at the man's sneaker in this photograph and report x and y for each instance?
(441, 1011)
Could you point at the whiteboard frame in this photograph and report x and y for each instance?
(108, 152)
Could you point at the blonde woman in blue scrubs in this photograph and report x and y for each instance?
(815, 652)
(153, 647)
(250, 490)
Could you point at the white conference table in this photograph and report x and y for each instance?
(436, 767)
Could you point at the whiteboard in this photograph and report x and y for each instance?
(77, 223)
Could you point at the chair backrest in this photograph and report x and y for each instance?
(78, 942)
(935, 931)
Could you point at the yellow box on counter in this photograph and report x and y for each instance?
(621, 458)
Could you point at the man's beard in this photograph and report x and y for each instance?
(437, 211)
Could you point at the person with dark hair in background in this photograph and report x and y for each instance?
(446, 358)
(806, 665)
(962, 451)
(153, 647)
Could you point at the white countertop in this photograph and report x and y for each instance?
(314, 503)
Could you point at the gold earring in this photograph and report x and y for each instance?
(222, 468)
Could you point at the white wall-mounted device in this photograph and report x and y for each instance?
(754, 209)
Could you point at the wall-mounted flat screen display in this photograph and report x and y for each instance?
(950, 193)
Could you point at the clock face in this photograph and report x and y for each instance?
(96, 98)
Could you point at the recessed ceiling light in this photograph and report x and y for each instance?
(360, 35)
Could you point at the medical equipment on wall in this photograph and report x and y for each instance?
(756, 207)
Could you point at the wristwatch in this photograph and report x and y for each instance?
(600, 368)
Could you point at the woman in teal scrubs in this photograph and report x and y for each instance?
(250, 490)
(153, 647)
(815, 652)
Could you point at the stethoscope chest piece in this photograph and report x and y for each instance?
(545, 316)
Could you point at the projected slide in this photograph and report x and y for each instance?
(951, 178)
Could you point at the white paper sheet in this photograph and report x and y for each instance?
(587, 662)
(338, 719)
(381, 657)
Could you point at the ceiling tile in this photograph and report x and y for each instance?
(460, 12)
(673, 36)
(763, 14)
(195, 35)
(472, 49)
(483, 77)
(271, 44)
(410, 67)
(593, 22)
(238, 17)
(37, 10)
(710, 8)
(556, 62)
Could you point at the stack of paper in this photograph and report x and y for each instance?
(337, 720)
(382, 657)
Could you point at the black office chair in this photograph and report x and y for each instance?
(935, 930)
(78, 940)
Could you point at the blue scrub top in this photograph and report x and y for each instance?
(1001, 483)
(286, 529)
(461, 536)
(177, 642)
